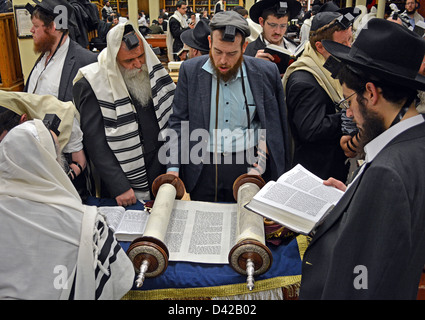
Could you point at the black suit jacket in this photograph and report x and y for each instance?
(76, 58)
(315, 127)
(372, 245)
(267, 90)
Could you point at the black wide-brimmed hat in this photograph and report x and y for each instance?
(293, 7)
(333, 7)
(197, 37)
(51, 7)
(322, 19)
(386, 50)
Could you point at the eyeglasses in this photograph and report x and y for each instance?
(275, 25)
(343, 104)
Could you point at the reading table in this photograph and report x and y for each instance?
(186, 280)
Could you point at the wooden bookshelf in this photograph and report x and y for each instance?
(10, 62)
(200, 5)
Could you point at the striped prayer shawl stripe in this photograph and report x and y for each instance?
(120, 121)
(123, 136)
(161, 83)
(119, 115)
(131, 172)
(155, 68)
(117, 103)
(140, 181)
(106, 277)
(164, 98)
(130, 160)
(106, 246)
(126, 149)
(164, 114)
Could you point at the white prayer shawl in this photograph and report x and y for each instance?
(53, 246)
(23, 102)
(119, 114)
(170, 39)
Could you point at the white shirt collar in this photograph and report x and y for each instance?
(376, 145)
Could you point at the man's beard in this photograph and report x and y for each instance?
(231, 73)
(373, 126)
(46, 44)
(411, 12)
(138, 84)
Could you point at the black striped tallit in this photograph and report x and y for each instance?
(119, 115)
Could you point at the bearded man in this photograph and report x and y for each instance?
(411, 14)
(60, 57)
(58, 63)
(370, 246)
(238, 96)
(124, 100)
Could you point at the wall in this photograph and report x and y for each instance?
(26, 51)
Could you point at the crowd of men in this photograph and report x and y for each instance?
(108, 124)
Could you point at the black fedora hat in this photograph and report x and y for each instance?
(293, 7)
(386, 50)
(51, 7)
(333, 7)
(197, 37)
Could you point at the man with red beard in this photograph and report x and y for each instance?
(58, 63)
(234, 104)
(60, 57)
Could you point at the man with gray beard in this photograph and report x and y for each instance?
(125, 101)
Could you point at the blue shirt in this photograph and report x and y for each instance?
(232, 133)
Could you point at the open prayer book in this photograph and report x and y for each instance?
(126, 224)
(284, 57)
(298, 200)
(202, 232)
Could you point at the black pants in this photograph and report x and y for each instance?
(215, 183)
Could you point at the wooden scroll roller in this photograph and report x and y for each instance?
(250, 255)
(149, 254)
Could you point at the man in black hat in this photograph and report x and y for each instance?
(60, 57)
(312, 95)
(197, 39)
(273, 16)
(371, 244)
(238, 98)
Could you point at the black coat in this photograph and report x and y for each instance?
(176, 30)
(113, 179)
(371, 246)
(315, 127)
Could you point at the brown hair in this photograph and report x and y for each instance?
(46, 18)
(324, 33)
